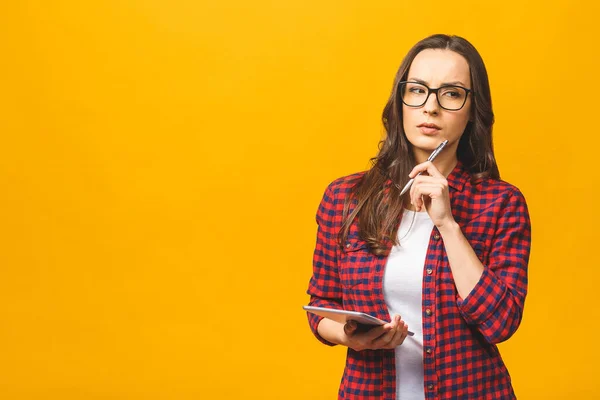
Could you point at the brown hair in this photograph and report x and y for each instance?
(378, 205)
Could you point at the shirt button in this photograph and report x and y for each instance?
(428, 351)
(436, 236)
(430, 386)
(347, 244)
(428, 312)
(429, 271)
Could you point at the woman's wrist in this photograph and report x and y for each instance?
(332, 331)
(449, 228)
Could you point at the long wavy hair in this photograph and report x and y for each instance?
(374, 201)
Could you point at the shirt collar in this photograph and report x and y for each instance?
(456, 180)
(458, 177)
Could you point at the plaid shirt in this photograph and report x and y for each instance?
(460, 356)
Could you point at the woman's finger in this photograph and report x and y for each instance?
(423, 181)
(384, 330)
(415, 198)
(383, 341)
(386, 341)
(360, 340)
(428, 167)
(433, 190)
(411, 192)
(350, 327)
(428, 180)
(401, 334)
(376, 332)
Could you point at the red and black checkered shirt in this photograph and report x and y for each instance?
(460, 356)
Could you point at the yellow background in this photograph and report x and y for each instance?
(161, 164)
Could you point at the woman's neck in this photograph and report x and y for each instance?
(444, 162)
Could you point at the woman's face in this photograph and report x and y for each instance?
(436, 68)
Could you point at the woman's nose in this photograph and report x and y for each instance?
(431, 106)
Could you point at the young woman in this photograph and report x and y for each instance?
(448, 259)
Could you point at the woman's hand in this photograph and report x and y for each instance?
(386, 336)
(431, 191)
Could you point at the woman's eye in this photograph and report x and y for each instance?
(416, 90)
(452, 93)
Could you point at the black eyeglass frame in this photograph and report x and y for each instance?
(430, 91)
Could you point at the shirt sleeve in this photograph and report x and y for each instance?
(324, 286)
(495, 305)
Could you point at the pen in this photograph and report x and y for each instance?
(430, 158)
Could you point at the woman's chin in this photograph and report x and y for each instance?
(426, 142)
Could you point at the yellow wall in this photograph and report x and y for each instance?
(161, 163)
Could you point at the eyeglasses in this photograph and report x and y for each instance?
(449, 97)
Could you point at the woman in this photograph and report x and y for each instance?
(448, 259)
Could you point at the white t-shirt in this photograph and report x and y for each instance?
(402, 289)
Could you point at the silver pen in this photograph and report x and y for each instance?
(430, 158)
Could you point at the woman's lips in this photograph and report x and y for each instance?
(428, 130)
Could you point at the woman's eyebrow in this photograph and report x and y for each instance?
(443, 84)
